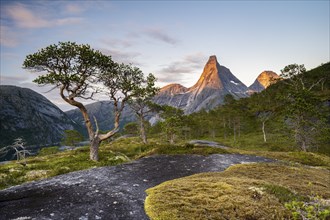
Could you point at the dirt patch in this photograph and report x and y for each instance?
(116, 192)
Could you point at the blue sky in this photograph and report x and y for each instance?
(171, 39)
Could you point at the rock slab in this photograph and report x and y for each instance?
(116, 192)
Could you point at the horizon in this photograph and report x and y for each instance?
(172, 40)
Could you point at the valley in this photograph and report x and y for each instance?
(211, 130)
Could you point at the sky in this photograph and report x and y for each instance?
(171, 39)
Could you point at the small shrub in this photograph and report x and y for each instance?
(281, 193)
(48, 151)
(36, 174)
(313, 210)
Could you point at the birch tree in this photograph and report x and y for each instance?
(142, 104)
(302, 107)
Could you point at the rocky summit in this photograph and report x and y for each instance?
(263, 81)
(29, 115)
(215, 82)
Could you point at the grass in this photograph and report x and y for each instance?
(133, 148)
(50, 162)
(254, 191)
(278, 147)
(54, 163)
(255, 141)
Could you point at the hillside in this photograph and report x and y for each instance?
(104, 114)
(267, 119)
(29, 115)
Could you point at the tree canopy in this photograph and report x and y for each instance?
(79, 71)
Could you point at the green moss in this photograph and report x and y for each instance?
(48, 151)
(306, 158)
(40, 167)
(254, 191)
(283, 194)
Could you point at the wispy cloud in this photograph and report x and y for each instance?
(74, 9)
(188, 64)
(8, 38)
(25, 17)
(117, 43)
(160, 35)
(66, 21)
(122, 56)
(181, 71)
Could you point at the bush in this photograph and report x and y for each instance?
(48, 151)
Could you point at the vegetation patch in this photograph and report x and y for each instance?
(306, 158)
(52, 163)
(254, 191)
(126, 149)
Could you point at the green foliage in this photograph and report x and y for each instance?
(281, 193)
(141, 103)
(173, 122)
(131, 128)
(48, 151)
(68, 65)
(313, 210)
(49, 165)
(289, 115)
(76, 69)
(72, 138)
(183, 149)
(303, 109)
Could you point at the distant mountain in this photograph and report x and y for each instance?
(27, 114)
(263, 81)
(103, 112)
(215, 82)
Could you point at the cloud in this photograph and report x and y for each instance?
(13, 80)
(118, 43)
(122, 56)
(74, 9)
(67, 21)
(24, 17)
(161, 35)
(188, 64)
(182, 71)
(8, 38)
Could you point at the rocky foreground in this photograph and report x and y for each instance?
(116, 192)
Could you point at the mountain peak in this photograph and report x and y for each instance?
(210, 77)
(263, 81)
(265, 78)
(214, 83)
(173, 88)
(213, 59)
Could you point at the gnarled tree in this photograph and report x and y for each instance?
(75, 69)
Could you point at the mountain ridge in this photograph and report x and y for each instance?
(27, 114)
(215, 82)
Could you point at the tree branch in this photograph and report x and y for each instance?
(97, 127)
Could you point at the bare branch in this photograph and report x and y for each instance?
(97, 127)
(55, 87)
(315, 84)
